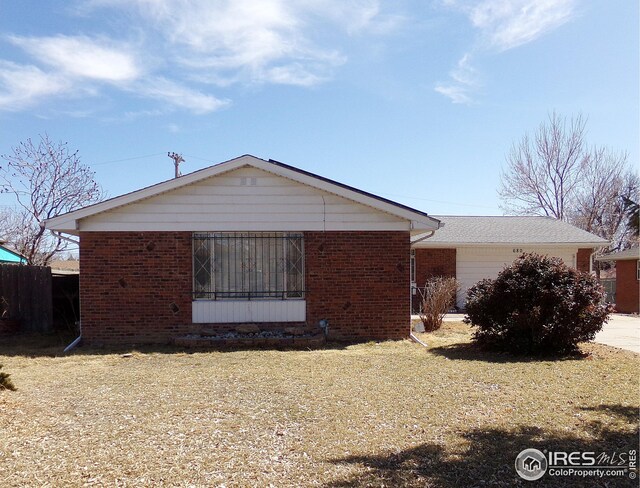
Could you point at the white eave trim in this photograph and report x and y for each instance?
(435, 244)
(69, 222)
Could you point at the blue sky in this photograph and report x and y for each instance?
(417, 101)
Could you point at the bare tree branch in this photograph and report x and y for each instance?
(46, 180)
(541, 174)
(557, 175)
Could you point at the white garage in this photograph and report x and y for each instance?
(476, 263)
(483, 246)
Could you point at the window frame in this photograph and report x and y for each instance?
(250, 267)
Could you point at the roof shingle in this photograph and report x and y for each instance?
(633, 253)
(509, 230)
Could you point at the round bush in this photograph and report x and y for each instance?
(5, 382)
(538, 305)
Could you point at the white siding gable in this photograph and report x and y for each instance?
(244, 199)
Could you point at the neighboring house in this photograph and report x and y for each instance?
(244, 241)
(65, 267)
(472, 248)
(627, 295)
(9, 256)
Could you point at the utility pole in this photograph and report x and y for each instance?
(177, 159)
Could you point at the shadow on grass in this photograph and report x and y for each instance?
(53, 345)
(627, 413)
(471, 352)
(489, 458)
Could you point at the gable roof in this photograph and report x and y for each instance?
(419, 221)
(507, 230)
(627, 254)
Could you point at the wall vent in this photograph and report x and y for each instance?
(248, 181)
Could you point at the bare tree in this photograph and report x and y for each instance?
(46, 180)
(632, 211)
(557, 175)
(599, 206)
(542, 174)
(437, 296)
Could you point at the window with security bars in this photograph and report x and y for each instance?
(248, 266)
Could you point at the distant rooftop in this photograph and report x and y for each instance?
(508, 230)
(65, 266)
(633, 253)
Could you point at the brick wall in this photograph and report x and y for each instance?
(135, 286)
(627, 289)
(430, 263)
(583, 259)
(359, 281)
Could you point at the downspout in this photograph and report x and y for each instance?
(596, 250)
(60, 236)
(415, 339)
(423, 238)
(76, 341)
(411, 335)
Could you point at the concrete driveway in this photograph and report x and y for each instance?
(621, 331)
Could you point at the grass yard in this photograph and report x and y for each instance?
(390, 414)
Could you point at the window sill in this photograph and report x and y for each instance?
(229, 311)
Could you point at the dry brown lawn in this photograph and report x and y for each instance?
(390, 414)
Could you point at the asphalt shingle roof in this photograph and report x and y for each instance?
(633, 253)
(509, 230)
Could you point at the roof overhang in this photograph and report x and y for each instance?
(438, 244)
(616, 258)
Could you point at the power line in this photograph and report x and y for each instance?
(128, 159)
(201, 159)
(433, 201)
(376, 193)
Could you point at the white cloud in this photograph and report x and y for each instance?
(507, 24)
(81, 62)
(178, 95)
(355, 16)
(502, 25)
(456, 93)
(293, 74)
(82, 57)
(22, 86)
(269, 41)
(464, 81)
(184, 47)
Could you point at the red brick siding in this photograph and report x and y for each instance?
(131, 284)
(434, 262)
(627, 289)
(583, 260)
(359, 281)
(430, 263)
(129, 281)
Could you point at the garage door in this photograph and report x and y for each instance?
(474, 264)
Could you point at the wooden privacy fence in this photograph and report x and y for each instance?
(25, 295)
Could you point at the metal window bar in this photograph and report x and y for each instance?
(248, 266)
